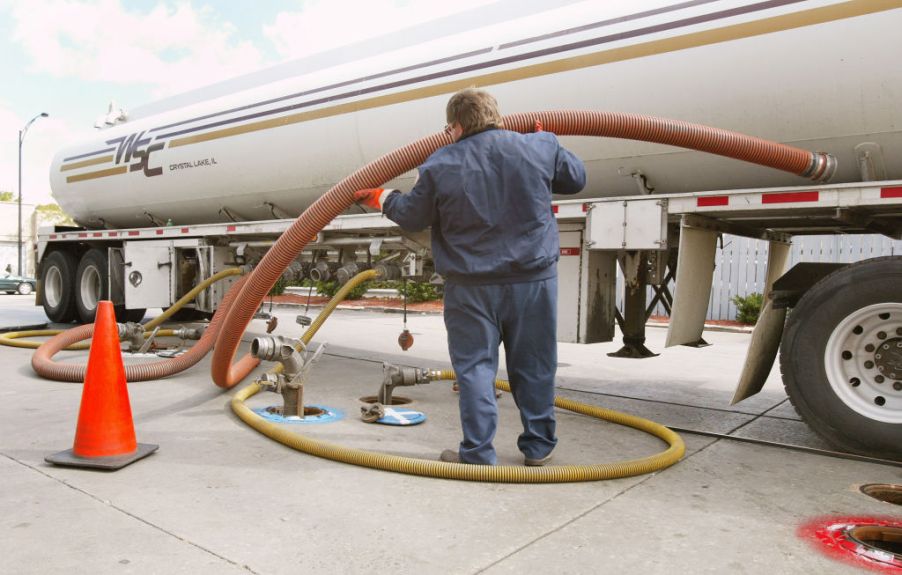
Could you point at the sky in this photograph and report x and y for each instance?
(71, 58)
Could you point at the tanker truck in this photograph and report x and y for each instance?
(169, 194)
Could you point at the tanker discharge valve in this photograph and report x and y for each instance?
(133, 334)
(296, 367)
(394, 376)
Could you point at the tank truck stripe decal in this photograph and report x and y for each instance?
(600, 24)
(830, 13)
(89, 154)
(638, 32)
(86, 163)
(620, 20)
(329, 87)
(98, 174)
(790, 21)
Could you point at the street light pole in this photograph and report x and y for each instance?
(22, 133)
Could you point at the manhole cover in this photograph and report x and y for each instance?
(879, 539)
(871, 542)
(395, 399)
(884, 492)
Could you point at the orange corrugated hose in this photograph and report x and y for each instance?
(815, 165)
(43, 364)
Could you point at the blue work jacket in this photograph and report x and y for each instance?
(487, 198)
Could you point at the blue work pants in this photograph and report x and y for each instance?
(523, 316)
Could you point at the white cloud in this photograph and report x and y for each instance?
(173, 48)
(327, 24)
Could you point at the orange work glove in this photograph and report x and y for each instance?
(372, 198)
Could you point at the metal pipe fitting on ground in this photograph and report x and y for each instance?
(278, 349)
(295, 363)
(192, 333)
(43, 364)
(132, 334)
(394, 376)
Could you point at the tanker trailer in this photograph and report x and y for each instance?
(173, 192)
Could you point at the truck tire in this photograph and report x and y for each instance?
(841, 358)
(92, 285)
(58, 286)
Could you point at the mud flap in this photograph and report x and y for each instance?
(695, 268)
(768, 331)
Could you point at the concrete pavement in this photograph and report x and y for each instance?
(221, 498)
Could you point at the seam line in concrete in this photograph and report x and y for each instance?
(561, 526)
(588, 511)
(757, 417)
(129, 514)
(677, 404)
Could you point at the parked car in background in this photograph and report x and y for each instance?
(16, 284)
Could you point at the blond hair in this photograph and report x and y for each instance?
(475, 110)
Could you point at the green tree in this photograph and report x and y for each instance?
(53, 214)
(7, 197)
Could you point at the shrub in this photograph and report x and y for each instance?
(415, 291)
(748, 307)
(419, 291)
(278, 288)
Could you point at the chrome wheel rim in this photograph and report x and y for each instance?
(53, 287)
(863, 362)
(89, 287)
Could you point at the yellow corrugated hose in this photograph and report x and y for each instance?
(489, 473)
(15, 338)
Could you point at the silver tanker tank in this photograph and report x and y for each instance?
(820, 75)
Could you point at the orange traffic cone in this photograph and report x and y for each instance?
(105, 436)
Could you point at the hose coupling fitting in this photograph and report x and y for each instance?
(269, 382)
(188, 333)
(296, 362)
(394, 376)
(821, 167)
(277, 348)
(344, 274)
(132, 333)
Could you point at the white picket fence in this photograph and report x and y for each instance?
(741, 264)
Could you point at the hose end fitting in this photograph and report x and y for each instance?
(278, 349)
(393, 376)
(821, 168)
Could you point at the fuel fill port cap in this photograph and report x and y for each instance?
(401, 416)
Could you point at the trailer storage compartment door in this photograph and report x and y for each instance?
(148, 273)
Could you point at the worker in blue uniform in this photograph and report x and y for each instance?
(487, 198)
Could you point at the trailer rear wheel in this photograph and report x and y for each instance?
(841, 357)
(58, 286)
(91, 280)
(92, 285)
